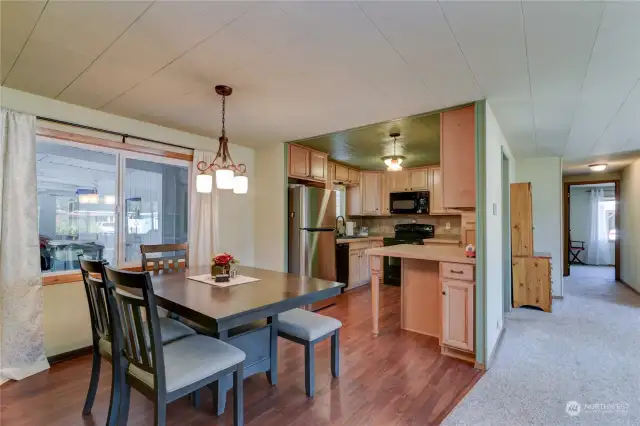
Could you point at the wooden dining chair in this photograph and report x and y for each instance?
(172, 257)
(94, 279)
(164, 373)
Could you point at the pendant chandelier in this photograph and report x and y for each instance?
(393, 162)
(223, 165)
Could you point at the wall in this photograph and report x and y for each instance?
(591, 177)
(579, 217)
(545, 175)
(495, 145)
(66, 318)
(630, 225)
(271, 211)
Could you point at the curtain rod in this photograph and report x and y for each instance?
(111, 132)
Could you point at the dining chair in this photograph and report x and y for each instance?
(309, 328)
(170, 259)
(93, 277)
(164, 373)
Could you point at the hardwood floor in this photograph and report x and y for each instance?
(398, 378)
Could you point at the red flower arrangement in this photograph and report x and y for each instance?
(223, 259)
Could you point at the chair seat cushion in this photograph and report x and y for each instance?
(170, 330)
(192, 359)
(306, 325)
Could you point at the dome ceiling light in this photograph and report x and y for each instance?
(394, 162)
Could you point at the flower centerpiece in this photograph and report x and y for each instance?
(221, 264)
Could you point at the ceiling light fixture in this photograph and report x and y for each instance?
(394, 162)
(598, 167)
(225, 169)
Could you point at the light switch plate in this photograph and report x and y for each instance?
(495, 209)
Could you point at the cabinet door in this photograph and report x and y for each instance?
(458, 158)
(399, 181)
(457, 314)
(342, 173)
(384, 193)
(371, 193)
(298, 162)
(354, 201)
(521, 219)
(418, 180)
(364, 266)
(354, 176)
(435, 192)
(318, 162)
(354, 267)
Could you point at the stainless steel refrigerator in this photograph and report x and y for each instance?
(312, 236)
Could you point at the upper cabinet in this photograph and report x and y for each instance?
(345, 175)
(354, 176)
(372, 193)
(457, 158)
(409, 180)
(342, 173)
(307, 164)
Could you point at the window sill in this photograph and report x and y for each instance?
(73, 276)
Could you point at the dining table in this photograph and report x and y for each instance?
(244, 315)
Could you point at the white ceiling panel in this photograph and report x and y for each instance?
(68, 38)
(612, 74)
(162, 34)
(422, 36)
(623, 132)
(18, 19)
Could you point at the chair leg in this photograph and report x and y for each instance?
(309, 369)
(335, 354)
(219, 397)
(238, 396)
(125, 399)
(160, 414)
(93, 382)
(116, 396)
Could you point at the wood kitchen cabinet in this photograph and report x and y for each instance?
(458, 314)
(532, 281)
(409, 180)
(307, 164)
(435, 192)
(399, 181)
(341, 174)
(354, 267)
(457, 158)
(354, 201)
(371, 186)
(418, 179)
(354, 176)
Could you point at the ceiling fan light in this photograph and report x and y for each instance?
(224, 179)
(598, 167)
(204, 183)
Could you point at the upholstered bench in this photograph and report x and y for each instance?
(308, 328)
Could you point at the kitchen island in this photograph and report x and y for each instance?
(437, 294)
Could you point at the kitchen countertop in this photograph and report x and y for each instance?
(437, 253)
(345, 240)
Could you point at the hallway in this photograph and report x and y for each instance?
(586, 351)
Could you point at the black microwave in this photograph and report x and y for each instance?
(409, 202)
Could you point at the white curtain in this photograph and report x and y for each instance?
(21, 330)
(203, 223)
(598, 247)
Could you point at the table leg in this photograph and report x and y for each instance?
(219, 392)
(376, 266)
(272, 374)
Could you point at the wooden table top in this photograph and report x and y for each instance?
(275, 292)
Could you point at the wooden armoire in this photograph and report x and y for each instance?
(531, 270)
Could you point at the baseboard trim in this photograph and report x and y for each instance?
(632, 289)
(496, 348)
(66, 356)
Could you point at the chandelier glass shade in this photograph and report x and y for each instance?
(394, 162)
(223, 165)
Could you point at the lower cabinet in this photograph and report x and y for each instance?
(354, 267)
(532, 282)
(458, 314)
(359, 269)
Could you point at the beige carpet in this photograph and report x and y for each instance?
(587, 351)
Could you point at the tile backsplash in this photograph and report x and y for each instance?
(384, 225)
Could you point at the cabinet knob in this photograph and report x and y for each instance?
(444, 293)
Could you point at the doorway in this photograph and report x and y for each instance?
(506, 235)
(591, 228)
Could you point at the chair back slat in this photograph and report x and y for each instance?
(141, 340)
(165, 257)
(95, 290)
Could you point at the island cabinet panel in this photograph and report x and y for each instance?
(421, 297)
(457, 314)
(458, 158)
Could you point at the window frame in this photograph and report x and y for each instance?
(122, 151)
